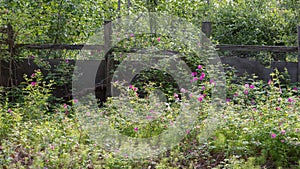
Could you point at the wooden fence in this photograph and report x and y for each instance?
(242, 64)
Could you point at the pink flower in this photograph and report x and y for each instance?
(175, 95)
(9, 110)
(136, 129)
(273, 135)
(191, 95)
(282, 141)
(158, 39)
(235, 94)
(200, 98)
(195, 79)
(199, 67)
(75, 101)
(295, 88)
(246, 85)
(67, 60)
(283, 132)
(182, 90)
(33, 83)
(246, 92)
(279, 99)
(149, 117)
(270, 82)
(65, 106)
(194, 74)
(202, 76)
(88, 113)
(253, 101)
(290, 100)
(133, 88)
(277, 108)
(203, 87)
(227, 100)
(32, 75)
(188, 131)
(131, 35)
(251, 86)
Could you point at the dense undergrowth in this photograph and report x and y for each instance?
(258, 128)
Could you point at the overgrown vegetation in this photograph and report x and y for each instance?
(258, 127)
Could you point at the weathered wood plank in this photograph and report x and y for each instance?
(60, 46)
(254, 48)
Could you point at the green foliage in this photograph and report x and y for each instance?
(244, 22)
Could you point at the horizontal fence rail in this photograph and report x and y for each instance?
(60, 46)
(255, 48)
(221, 47)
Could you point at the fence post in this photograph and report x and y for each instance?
(10, 41)
(206, 28)
(109, 60)
(298, 53)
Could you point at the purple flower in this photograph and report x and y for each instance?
(33, 83)
(158, 39)
(227, 100)
(202, 76)
(200, 98)
(131, 35)
(9, 110)
(273, 135)
(295, 88)
(251, 86)
(199, 67)
(282, 141)
(194, 74)
(212, 82)
(133, 88)
(290, 100)
(246, 92)
(203, 87)
(32, 75)
(67, 60)
(195, 79)
(136, 129)
(52, 147)
(283, 132)
(235, 94)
